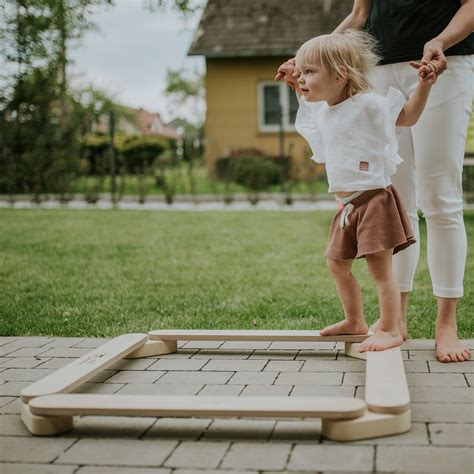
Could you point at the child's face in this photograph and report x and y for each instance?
(318, 84)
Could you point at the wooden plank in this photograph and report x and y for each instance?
(76, 373)
(370, 425)
(386, 388)
(45, 425)
(191, 406)
(249, 335)
(153, 348)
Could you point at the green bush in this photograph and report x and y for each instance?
(256, 173)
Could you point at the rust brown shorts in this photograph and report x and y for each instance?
(378, 222)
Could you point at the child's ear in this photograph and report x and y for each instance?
(341, 75)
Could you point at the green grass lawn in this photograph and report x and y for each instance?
(105, 273)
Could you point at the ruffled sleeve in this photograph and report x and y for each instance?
(395, 102)
(306, 126)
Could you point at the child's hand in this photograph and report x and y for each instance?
(287, 73)
(428, 72)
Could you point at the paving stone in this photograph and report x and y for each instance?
(466, 367)
(451, 434)
(231, 390)
(442, 394)
(111, 426)
(181, 354)
(469, 343)
(92, 343)
(253, 378)
(34, 450)
(4, 360)
(221, 354)
(66, 352)
(354, 379)
(297, 431)
(415, 366)
(203, 454)
(423, 355)
(256, 456)
(470, 379)
(135, 376)
(246, 345)
(321, 457)
(22, 468)
(417, 436)
(64, 342)
(436, 380)
(178, 428)
(6, 400)
(22, 363)
(239, 429)
(24, 375)
(212, 471)
(266, 390)
(203, 344)
(317, 355)
(274, 355)
(11, 425)
(235, 365)
(418, 344)
(188, 377)
(284, 366)
(334, 366)
(28, 352)
(134, 364)
(122, 470)
(12, 389)
(118, 452)
(29, 342)
(323, 391)
(102, 376)
(442, 412)
(7, 339)
(13, 407)
(99, 388)
(56, 363)
(424, 459)
(309, 378)
(178, 364)
(160, 389)
(302, 346)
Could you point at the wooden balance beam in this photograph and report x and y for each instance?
(48, 409)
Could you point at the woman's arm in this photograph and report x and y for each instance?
(460, 27)
(357, 18)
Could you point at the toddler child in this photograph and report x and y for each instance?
(352, 130)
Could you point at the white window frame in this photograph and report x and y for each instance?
(285, 92)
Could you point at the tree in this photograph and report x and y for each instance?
(184, 6)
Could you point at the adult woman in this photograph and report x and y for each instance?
(439, 31)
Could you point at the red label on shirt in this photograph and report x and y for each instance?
(364, 166)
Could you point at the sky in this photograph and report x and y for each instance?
(130, 53)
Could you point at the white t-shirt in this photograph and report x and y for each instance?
(356, 138)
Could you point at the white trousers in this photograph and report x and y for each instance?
(430, 178)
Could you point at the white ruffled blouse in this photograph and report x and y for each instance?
(356, 139)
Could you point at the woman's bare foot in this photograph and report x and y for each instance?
(345, 327)
(381, 340)
(448, 346)
(403, 328)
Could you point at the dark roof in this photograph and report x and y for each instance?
(249, 28)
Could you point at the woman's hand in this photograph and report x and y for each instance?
(434, 52)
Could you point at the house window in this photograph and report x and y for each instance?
(273, 97)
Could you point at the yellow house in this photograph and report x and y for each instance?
(244, 42)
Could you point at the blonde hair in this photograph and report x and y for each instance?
(353, 54)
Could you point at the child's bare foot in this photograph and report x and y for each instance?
(403, 328)
(345, 327)
(381, 340)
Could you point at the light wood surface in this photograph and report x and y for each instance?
(76, 373)
(248, 335)
(351, 349)
(370, 425)
(189, 406)
(386, 388)
(153, 348)
(45, 425)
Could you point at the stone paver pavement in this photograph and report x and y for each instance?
(441, 438)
